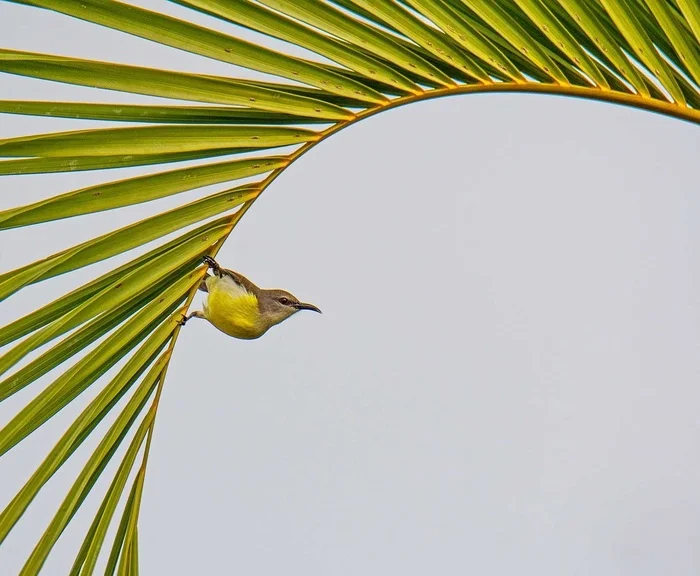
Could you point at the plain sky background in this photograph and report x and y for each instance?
(505, 379)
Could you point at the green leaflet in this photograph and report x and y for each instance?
(685, 45)
(125, 238)
(157, 114)
(121, 545)
(624, 19)
(90, 417)
(136, 190)
(143, 140)
(205, 42)
(92, 545)
(459, 29)
(372, 22)
(81, 163)
(432, 40)
(121, 533)
(167, 84)
(691, 12)
(603, 45)
(481, 28)
(498, 19)
(313, 93)
(78, 341)
(129, 557)
(328, 19)
(94, 467)
(31, 322)
(86, 371)
(562, 38)
(253, 16)
(116, 300)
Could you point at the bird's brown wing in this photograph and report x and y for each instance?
(241, 280)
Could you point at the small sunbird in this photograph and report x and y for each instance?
(239, 308)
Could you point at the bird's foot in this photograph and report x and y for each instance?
(196, 314)
(213, 265)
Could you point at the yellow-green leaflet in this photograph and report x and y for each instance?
(168, 84)
(125, 238)
(136, 190)
(206, 42)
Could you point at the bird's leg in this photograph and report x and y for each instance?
(195, 314)
(213, 265)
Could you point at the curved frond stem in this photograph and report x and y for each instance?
(621, 98)
(624, 99)
(128, 551)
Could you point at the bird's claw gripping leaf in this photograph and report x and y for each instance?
(213, 265)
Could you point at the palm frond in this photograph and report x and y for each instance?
(362, 57)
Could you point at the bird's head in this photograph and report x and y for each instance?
(278, 305)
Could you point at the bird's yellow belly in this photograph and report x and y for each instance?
(234, 314)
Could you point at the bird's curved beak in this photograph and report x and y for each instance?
(305, 306)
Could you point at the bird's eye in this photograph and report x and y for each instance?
(284, 301)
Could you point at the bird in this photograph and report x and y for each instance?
(239, 308)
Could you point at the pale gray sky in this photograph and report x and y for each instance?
(505, 376)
